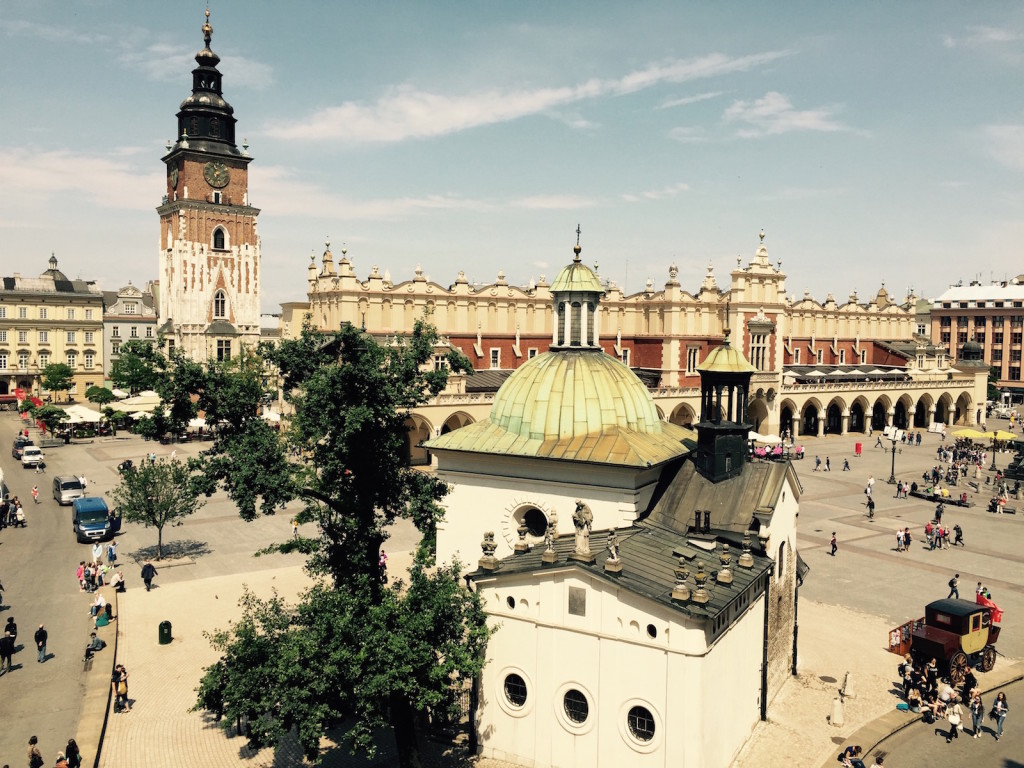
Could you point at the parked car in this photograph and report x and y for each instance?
(67, 488)
(19, 444)
(32, 456)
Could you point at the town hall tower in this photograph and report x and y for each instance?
(209, 243)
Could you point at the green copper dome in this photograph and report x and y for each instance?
(725, 359)
(577, 277)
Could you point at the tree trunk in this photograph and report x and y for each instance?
(403, 720)
(160, 543)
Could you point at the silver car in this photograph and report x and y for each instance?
(67, 488)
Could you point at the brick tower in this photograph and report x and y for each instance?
(209, 244)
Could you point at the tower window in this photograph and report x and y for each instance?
(220, 304)
(218, 236)
(223, 350)
(215, 128)
(193, 128)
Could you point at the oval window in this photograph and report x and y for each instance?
(641, 723)
(576, 707)
(515, 690)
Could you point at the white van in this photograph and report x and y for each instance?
(32, 456)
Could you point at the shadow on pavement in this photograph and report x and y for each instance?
(172, 550)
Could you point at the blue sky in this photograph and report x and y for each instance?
(872, 141)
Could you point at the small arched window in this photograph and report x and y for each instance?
(220, 304)
(218, 239)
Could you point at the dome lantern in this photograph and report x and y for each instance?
(576, 293)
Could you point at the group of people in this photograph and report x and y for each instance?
(851, 758)
(69, 757)
(12, 514)
(937, 535)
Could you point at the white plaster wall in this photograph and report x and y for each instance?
(487, 503)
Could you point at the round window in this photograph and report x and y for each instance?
(641, 723)
(511, 601)
(652, 631)
(536, 522)
(515, 691)
(576, 707)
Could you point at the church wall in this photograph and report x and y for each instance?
(782, 589)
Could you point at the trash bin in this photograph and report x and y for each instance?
(857, 448)
(165, 632)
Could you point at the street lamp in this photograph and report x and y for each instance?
(892, 472)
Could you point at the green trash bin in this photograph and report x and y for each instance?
(165, 632)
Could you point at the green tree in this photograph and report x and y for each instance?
(50, 415)
(381, 655)
(138, 366)
(157, 495)
(99, 395)
(58, 377)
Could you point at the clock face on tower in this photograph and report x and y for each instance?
(216, 174)
(174, 178)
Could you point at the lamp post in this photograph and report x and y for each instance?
(993, 467)
(892, 472)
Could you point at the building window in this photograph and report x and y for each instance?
(3, 361)
(44, 359)
(796, 356)
(980, 338)
(149, 332)
(88, 314)
(920, 361)
(576, 707)
(945, 337)
(515, 690)
(88, 337)
(23, 361)
(922, 329)
(42, 313)
(641, 723)
(531, 353)
(70, 337)
(130, 308)
(170, 347)
(223, 350)
(72, 359)
(115, 347)
(71, 313)
(220, 304)
(23, 337)
(624, 357)
(759, 350)
(89, 358)
(692, 360)
(218, 238)
(1015, 338)
(441, 363)
(863, 356)
(577, 601)
(22, 313)
(115, 331)
(44, 337)
(495, 357)
(133, 331)
(3, 312)
(842, 357)
(1014, 374)
(3, 336)
(997, 337)
(820, 356)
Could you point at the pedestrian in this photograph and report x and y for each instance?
(112, 553)
(817, 463)
(119, 684)
(295, 527)
(846, 465)
(6, 652)
(954, 715)
(40, 638)
(977, 707)
(12, 629)
(35, 757)
(878, 762)
(871, 508)
(835, 546)
(959, 535)
(899, 539)
(148, 572)
(999, 710)
(382, 566)
(878, 442)
(74, 754)
(953, 584)
(97, 552)
(828, 464)
(35, 493)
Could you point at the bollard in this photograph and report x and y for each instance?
(836, 718)
(165, 632)
(847, 689)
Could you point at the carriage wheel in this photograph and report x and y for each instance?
(958, 668)
(988, 658)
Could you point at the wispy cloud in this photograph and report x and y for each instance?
(983, 36)
(670, 190)
(774, 114)
(689, 100)
(1005, 143)
(406, 112)
(164, 62)
(49, 32)
(690, 134)
(555, 202)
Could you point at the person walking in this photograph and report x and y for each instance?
(899, 539)
(73, 754)
(35, 493)
(817, 463)
(828, 464)
(871, 508)
(148, 572)
(97, 552)
(112, 553)
(295, 528)
(954, 714)
(959, 535)
(6, 652)
(40, 638)
(11, 628)
(954, 583)
(835, 546)
(35, 757)
(999, 709)
(977, 713)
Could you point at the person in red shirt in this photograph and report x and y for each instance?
(35, 493)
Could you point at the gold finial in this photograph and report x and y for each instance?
(207, 29)
(576, 250)
(761, 235)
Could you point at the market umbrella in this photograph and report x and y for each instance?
(972, 434)
(1002, 434)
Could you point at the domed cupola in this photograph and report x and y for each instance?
(723, 428)
(576, 293)
(206, 121)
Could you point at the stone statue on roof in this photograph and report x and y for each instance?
(583, 519)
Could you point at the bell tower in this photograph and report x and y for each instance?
(209, 243)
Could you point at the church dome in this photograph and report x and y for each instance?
(725, 359)
(577, 277)
(568, 394)
(971, 350)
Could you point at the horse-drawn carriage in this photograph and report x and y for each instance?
(957, 633)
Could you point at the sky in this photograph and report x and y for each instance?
(872, 142)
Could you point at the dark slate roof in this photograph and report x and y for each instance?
(221, 328)
(649, 557)
(954, 607)
(487, 380)
(734, 502)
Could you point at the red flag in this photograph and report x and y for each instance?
(997, 614)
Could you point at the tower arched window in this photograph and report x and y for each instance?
(220, 304)
(218, 239)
